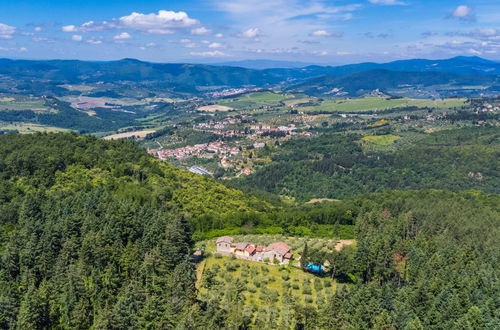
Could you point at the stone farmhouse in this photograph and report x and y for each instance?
(249, 251)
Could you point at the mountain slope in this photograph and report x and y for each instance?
(96, 234)
(361, 82)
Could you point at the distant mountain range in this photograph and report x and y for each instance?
(191, 79)
(264, 64)
(395, 82)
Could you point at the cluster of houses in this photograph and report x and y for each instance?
(207, 149)
(275, 252)
(232, 91)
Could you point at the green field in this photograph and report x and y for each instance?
(18, 105)
(29, 128)
(378, 103)
(381, 140)
(254, 100)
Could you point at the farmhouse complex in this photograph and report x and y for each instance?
(275, 252)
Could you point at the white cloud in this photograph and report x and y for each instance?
(343, 53)
(215, 53)
(201, 31)
(185, 41)
(77, 37)
(387, 2)
(463, 12)
(163, 22)
(38, 29)
(320, 33)
(6, 31)
(94, 42)
(122, 36)
(252, 33)
(215, 45)
(69, 28)
(323, 33)
(23, 49)
(218, 35)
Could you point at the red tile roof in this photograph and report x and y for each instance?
(260, 248)
(288, 255)
(280, 247)
(250, 249)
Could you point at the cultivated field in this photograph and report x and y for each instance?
(12, 104)
(378, 103)
(266, 294)
(214, 108)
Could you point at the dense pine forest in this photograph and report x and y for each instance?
(98, 234)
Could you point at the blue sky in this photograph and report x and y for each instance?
(204, 31)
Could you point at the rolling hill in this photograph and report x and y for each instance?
(44, 77)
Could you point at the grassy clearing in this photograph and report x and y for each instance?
(322, 200)
(381, 140)
(378, 103)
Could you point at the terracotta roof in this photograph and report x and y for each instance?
(288, 255)
(260, 248)
(279, 247)
(240, 246)
(250, 249)
(224, 239)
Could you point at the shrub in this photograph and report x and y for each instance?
(285, 277)
(252, 288)
(295, 286)
(318, 286)
(308, 299)
(231, 266)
